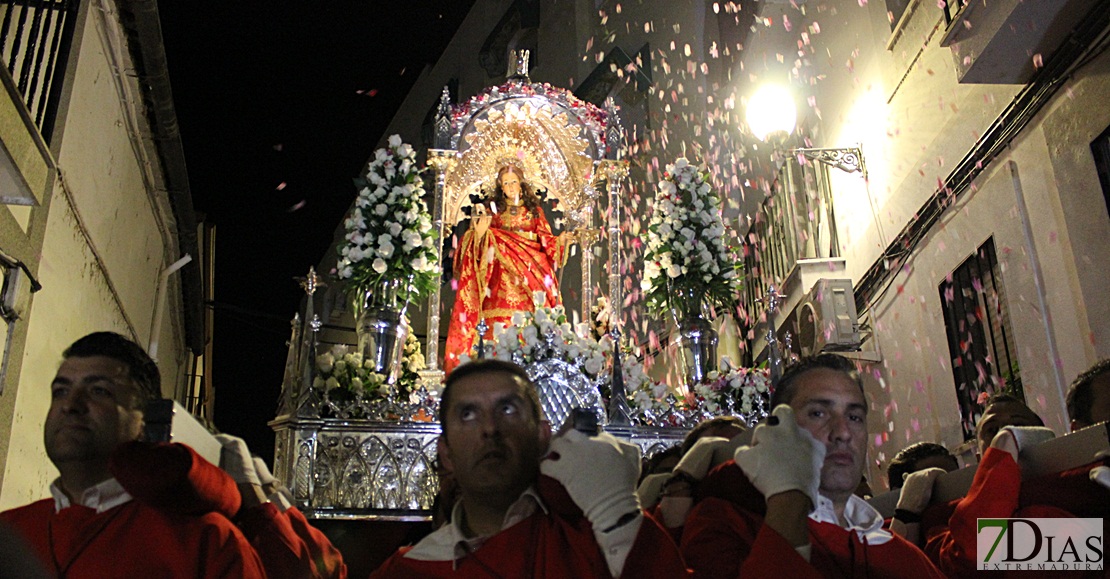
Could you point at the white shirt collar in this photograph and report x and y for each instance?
(860, 516)
(101, 497)
(449, 543)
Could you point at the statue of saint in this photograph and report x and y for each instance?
(507, 254)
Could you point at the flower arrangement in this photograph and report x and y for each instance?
(544, 334)
(389, 231)
(343, 378)
(687, 262)
(651, 402)
(741, 391)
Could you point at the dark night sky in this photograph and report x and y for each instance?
(296, 93)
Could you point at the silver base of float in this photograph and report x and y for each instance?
(382, 471)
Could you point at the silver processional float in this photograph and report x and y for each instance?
(373, 458)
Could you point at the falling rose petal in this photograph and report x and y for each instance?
(296, 206)
(281, 186)
(1038, 61)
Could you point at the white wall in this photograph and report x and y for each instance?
(930, 123)
(105, 243)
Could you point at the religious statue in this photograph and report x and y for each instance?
(508, 253)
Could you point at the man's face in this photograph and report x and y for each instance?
(999, 415)
(95, 406)
(831, 407)
(492, 443)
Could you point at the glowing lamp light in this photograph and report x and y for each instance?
(771, 110)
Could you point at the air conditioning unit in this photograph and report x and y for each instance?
(825, 319)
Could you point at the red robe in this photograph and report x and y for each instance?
(288, 546)
(998, 492)
(174, 478)
(557, 544)
(725, 537)
(517, 256)
(326, 559)
(134, 540)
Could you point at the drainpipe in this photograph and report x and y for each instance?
(159, 303)
(1038, 282)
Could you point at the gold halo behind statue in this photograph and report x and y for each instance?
(552, 144)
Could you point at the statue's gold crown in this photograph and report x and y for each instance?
(510, 160)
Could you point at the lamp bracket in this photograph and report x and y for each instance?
(849, 160)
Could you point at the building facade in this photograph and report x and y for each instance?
(97, 208)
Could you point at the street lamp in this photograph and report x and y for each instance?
(771, 111)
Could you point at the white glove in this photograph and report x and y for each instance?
(700, 458)
(918, 490)
(265, 477)
(599, 473)
(651, 488)
(1014, 439)
(783, 457)
(235, 459)
(1101, 474)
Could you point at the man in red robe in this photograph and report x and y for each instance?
(784, 507)
(1006, 428)
(92, 527)
(571, 514)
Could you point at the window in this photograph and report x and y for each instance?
(34, 41)
(517, 30)
(980, 340)
(952, 9)
(894, 11)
